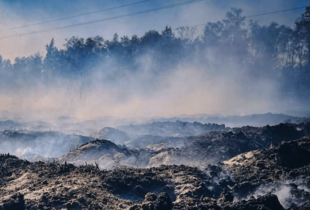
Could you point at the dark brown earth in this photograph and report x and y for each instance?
(207, 148)
(229, 185)
(259, 171)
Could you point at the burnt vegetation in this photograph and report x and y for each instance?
(244, 168)
(172, 164)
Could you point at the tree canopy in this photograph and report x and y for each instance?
(266, 51)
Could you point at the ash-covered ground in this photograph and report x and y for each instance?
(158, 166)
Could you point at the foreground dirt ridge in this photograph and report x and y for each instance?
(252, 180)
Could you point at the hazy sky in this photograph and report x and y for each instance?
(14, 13)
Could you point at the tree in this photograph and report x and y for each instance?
(302, 43)
(51, 63)
(187, 33)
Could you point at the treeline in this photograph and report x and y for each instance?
(275, 51)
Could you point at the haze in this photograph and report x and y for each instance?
(174, 76)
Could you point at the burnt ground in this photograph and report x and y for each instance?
(259, 168)
(52, 186)
(238, 183)
(207, 148)
(284, 168)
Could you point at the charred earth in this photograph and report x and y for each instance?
(242, 168)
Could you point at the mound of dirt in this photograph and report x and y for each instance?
(208, 148)
(103, 152)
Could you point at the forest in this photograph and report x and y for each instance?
(269, 52)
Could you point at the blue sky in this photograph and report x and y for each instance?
(20, 12)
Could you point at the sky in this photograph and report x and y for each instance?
(14, 13)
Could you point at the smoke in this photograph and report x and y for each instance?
(186, 90)
(21, 152)
(290, 193)
(32, 145)
(152, 84)
(283, 194)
